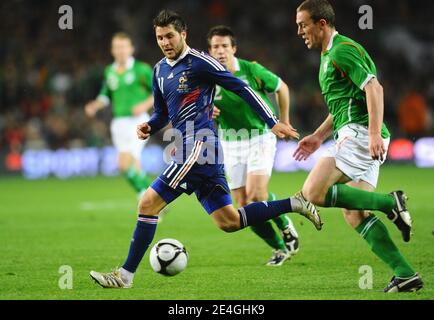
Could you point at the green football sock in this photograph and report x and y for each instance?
(281, 221)
(267, 233)
(271, 196)
(378, 238)
(343, 196)
(137, 179)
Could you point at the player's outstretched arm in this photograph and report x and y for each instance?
(160, 117)
(213, 72)
(92, 107)
(375, 103)
(285, 131)
(311, 143)
(283, 101)
(102, 101)
(159, 120)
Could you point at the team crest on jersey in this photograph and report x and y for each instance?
(129, 78)
(183, 83)
(182, 79)
(112, 82)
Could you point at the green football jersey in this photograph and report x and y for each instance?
(125, 90)
(345, 69)
(236, 113)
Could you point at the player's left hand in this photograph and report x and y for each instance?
(285, 131)
(376, 146)
(143, 131)
(306, 147)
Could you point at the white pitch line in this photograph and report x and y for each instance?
(106, 205)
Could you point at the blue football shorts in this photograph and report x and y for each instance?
(207, 181)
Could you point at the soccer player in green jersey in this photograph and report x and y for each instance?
(127, 87)
(346, 176)
(249, 146)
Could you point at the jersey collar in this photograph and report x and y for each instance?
(330, 45)
(182, 56)
(236, 64)
(129, 64)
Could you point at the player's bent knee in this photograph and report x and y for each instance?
(122, 168)
(123, 165)
(355, 217)
(227, 219)
(312, 195)
(257, 196)
(149, 206)
(241, 201)
(229, 227)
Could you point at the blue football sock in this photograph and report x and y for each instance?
(258, 212)
(142, 238)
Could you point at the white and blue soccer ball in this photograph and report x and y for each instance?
(168, 257)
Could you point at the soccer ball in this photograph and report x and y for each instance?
(168, 257)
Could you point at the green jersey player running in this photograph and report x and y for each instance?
(248, 145)
(346, 176)
(127, 87)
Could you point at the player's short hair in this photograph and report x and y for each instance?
(222, 31)
(167, 17)
(122, 35)
(319, 9)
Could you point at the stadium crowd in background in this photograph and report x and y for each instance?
(47, 74)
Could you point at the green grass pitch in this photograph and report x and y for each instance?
(87, 223)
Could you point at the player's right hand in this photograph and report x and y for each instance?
(376, 147)
(215, 112)
(90, 109)
(285, 131)
(143, 131)
(306, 147)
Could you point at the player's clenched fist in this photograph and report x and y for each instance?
(285, 131)
(143, 131)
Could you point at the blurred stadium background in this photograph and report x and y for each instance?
(48, 74)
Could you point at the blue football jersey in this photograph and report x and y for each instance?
(184, 93)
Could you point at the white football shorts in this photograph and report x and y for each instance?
(254, 155)
(124, 136)
(351, 153)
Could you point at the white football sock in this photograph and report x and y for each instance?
(296, 204)
(126, 276)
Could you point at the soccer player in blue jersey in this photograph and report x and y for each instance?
(183, 87)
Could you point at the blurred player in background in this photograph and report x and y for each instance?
(127, 87)
(248, 144)
(346, 176)
(183, 87)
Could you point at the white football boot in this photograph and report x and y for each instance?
(110, 280)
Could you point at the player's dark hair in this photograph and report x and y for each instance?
(222, 31)
(167, 17)
(319, 9)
